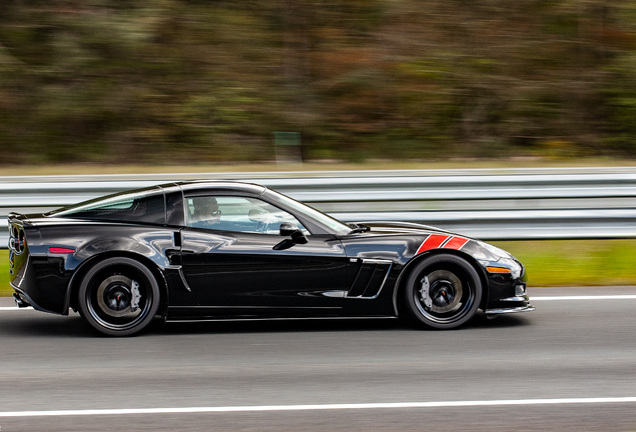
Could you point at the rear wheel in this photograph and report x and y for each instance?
(443, 291)
(118, 296)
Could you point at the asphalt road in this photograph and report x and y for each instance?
(568, 348)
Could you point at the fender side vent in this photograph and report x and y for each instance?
(370, 278)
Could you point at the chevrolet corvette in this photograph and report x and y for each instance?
(217, 250)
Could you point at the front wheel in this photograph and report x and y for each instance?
(443, 291)
(118, 296)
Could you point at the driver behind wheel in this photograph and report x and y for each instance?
(205, 212)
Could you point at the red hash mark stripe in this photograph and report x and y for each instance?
(456, 243)
(436, 240)
(432, 242)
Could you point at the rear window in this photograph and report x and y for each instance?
(128, 207)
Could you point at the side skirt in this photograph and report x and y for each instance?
(233, 319)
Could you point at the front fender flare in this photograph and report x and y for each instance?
(417, 258)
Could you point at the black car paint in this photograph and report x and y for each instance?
(332, 275)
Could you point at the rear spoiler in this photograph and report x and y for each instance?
(18, 217)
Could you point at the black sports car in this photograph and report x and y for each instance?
(226, 250)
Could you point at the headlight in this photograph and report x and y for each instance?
(512, 265)
(503, 257)
(499, 253)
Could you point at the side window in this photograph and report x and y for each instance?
(137, 207)
(238, 214)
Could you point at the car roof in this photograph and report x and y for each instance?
(221, 186)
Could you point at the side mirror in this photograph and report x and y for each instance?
(297, 236)
(287, 229)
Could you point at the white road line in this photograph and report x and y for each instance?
(14, 308)
(263, 408)
(598, 297)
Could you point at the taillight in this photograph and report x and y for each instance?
(17, 240)
(60, 250)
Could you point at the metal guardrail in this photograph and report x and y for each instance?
(493, 204)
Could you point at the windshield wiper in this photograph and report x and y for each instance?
(358, 228)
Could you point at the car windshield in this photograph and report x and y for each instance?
(333, 224)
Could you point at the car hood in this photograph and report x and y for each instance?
(389, 227)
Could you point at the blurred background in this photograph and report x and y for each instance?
(152, 81)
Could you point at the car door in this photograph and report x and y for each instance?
(230, 261)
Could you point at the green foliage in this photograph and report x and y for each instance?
(184, 80)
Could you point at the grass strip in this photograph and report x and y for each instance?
(576, 262)
(5, 288)
(548, 262)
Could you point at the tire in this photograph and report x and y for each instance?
(118, 296)
(454, 292)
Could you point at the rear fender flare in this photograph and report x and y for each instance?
(78, 275)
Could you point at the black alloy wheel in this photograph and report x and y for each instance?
(443, 291)
(118, 296)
